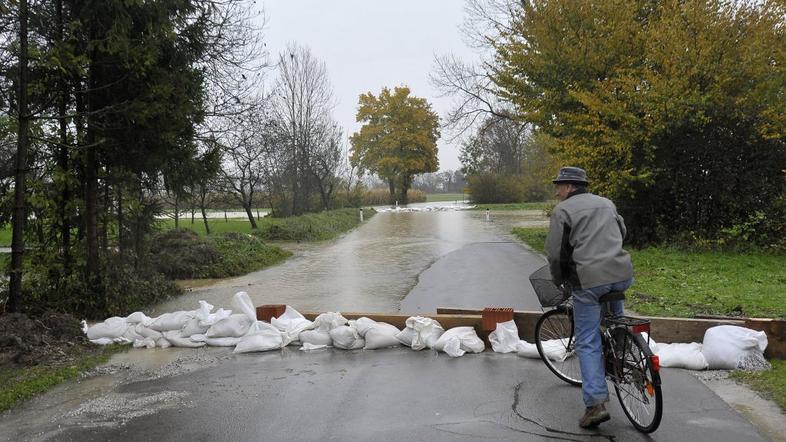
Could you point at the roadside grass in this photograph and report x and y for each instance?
(772, 382)
(309, 227)
(5, 235)
(438, 197)
(21, 383)
(675, 282)
(516, 206)
(183, 254)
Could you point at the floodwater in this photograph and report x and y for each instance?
(371, 269)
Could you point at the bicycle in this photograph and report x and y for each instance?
(630, 364)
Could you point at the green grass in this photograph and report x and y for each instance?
(674, 282)
(772, 382)
(5, 236)
(22, 383)
(437, 197)
(217, 226)
(309, 227)
(515, 206)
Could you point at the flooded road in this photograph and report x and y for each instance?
(371, 268)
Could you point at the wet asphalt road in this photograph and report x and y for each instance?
(382, 395)
(397, 395)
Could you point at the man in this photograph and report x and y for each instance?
(584, 248)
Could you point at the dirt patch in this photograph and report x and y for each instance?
(49, 339)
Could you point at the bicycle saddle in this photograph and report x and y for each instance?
(612, 296)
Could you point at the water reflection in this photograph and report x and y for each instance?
(370, 269)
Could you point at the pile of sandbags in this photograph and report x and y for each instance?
(222, 328)
(724, 347)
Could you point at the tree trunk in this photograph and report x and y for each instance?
(247, 206)
(177, 211)
(202, 195)
(120, 236)
(91, 183)
(392, 189)
(18, 221)
(62, 158)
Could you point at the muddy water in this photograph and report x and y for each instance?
(370, 269)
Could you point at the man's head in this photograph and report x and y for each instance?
(568, 180)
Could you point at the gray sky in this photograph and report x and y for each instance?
(368, 44)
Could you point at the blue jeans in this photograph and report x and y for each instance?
(586, 317)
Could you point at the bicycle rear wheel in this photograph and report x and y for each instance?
(637, 383)
(556, 342)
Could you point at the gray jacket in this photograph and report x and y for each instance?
(584, 244)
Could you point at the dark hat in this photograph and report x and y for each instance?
(571, 175)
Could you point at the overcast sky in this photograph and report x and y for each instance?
(368, 44)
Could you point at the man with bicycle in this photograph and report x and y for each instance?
(584, 249)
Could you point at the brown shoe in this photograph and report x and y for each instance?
(594, 416)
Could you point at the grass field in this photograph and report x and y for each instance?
(5, 236)
(437, 197)
(673, 282)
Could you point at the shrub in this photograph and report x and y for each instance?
(182, 254)
(491, 188)
(312, 226)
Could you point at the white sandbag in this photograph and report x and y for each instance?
(467, 338)
(193, 327)
(102, 341)
(727, 347)
(315, 337)
(427, 331)
(171, 321)
(205, 318)
(139, 318)
(111, 328)
(308, 347)
(363, 325)
(682, 356)
(452, 347)
(527, 350)
(174, 338)
(222, 342)
(553, 348)
(346, 338)
(146, 342)
(235, 326)
(147, 332)
(292, 323)
(243, 304)
(264, 337)
(381, 335)
(131, 335)
(406, 336)
(198, 338)
(505, 338)
(328, 321)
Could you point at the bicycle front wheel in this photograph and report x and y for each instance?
(556, 342)
(637, 384)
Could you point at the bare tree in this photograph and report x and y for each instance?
(244, 148)
(470, 84)
(302, 105)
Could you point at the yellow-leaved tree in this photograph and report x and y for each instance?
(398, 139)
